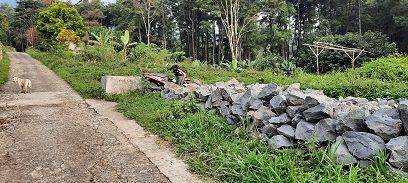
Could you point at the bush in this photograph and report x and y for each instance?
(267, 62)
(52, 20)
(150, 58)
(386, 69)
(375, 43)
(99, 53)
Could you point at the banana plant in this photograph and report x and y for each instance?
(103, 38)
(125, 43)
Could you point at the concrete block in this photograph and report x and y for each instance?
(120, 84)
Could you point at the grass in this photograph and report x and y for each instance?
(4, 69)
(211, 147)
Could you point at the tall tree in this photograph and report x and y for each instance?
(149, 11)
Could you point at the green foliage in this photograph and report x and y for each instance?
(375, 43)
(57, 17)
(102, 37)
(4, 67)
(267, 62)
(99, 53)
(210, 146)
(386, 69)
(149, 55)
(67, 36)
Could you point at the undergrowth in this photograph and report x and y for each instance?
(4, 69)
(228, 153)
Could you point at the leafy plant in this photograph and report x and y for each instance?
(53, 19)
(102, 38)
(125, 42)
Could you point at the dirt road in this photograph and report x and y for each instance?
(51, 135)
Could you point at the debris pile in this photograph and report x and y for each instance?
(356, 128)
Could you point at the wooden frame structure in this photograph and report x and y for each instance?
(318, 47)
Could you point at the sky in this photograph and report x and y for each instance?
(13, 2)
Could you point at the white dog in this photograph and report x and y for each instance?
(25, 84)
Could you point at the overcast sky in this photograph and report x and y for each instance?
(13, 2)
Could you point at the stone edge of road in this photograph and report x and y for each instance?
(152, 146)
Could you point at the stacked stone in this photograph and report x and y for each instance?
(357, 128)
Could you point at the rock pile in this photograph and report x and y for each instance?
(357, 128)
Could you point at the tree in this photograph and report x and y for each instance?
(58, 17)
(148, 10)
(24, 17)
(32, 37)
(92, 12)
(230, 14)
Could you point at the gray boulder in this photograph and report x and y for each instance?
(318, 112)
(298, 118)
(208, 103)
(263, 114)
(399, 152)
(203, 92)
(313, 100)
(287, 131)
(279, 141)
(295, 97)
(270, 130)
(384, 126)
(269, 91)
(403, 111)
(388, 111)
(293, 110)
(304, 131)
(363, 145)
(278, 103)
(224, 108)
(325, 130)
(352, 120)
(255, 104)
(341, 153)
(281, 119)
(236, 109)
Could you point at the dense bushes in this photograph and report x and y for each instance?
(386, 69)
(103, 53)
(56, 18)
(375, 43)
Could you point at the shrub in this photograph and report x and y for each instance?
(150, 57)
(375, 43)
(270, 61)
(386, 69)
(99, 53)
(67, 36)
(52, 20)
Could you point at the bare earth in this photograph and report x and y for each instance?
(52, 135)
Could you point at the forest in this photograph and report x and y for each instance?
(266, 34)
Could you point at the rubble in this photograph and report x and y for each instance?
(357, 127)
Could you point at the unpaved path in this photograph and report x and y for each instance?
(52, 135)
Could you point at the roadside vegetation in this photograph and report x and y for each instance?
(231, 153)
(254, 42)
(4, 64)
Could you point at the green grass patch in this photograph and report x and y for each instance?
(4, 69)
(211, 147)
